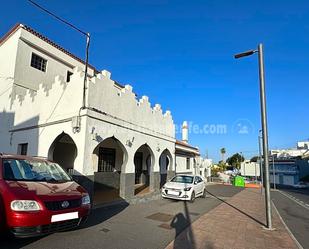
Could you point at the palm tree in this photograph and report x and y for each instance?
(222, 151)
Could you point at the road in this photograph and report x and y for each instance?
(149, 225)
(293, 206)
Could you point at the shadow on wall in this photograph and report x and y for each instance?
(14, 135)
(6, 122)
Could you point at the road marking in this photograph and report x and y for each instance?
(295, 200)
(287, 228)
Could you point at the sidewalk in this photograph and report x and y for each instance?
(236, 223)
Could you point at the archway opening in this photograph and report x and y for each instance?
(108, 159)
(63, 151)
(165, 164)
(143, 162)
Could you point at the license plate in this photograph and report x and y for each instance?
(66, 216)
(172, 192)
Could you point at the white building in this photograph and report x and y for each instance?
(118, 146)
(248, 168)
(188, 158)
(301, 150)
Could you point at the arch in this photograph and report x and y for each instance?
(166, 164)
(109, 159)
(63, 151)
(143, 163)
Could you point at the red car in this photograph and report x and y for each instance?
(38, 197)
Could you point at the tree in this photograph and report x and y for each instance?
(254, 159)
(235, 160)
(222, 151)
(222, 166)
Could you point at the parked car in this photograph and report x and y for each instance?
(38, 197)
(184, 187)
(301, 185)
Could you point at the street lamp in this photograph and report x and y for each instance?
(259, 50)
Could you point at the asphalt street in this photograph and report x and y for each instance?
(149, 225)
(291, 205)
(301, 195)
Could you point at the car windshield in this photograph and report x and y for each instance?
(183, 179)
(26, 170)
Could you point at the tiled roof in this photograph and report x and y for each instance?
(185, 144)
(44, 38)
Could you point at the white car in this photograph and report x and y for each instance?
(301, 185)
(184, 187)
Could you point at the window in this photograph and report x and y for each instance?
(107, 159)
(25, 170)
(188, 163)
(69, 74)
(183, 179)
(38, 62)
(22, 149)
(199, 179)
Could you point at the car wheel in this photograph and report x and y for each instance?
(192, 197)
(204, 193)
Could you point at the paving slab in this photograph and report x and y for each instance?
(236, 223)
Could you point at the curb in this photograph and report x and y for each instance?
(294, 199)
(287, 228)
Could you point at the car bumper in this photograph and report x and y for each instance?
(29, 224)
(181, 196)
(33, 231)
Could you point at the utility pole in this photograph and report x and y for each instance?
(87, 44)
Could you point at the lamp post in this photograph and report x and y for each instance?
(259, 50)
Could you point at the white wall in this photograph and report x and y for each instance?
(250, 168)
(181, 164)
(7, 67)
(44, 114)
(123, 105)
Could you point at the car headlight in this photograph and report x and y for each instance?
(86, 200)
(187, 189)
(25, 205)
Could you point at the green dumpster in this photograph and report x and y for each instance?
(239, 181)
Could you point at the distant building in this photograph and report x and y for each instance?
(286, 171)
(291, 165)
(188, 158)
(248, 168)
(301, 149)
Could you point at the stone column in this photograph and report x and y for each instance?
(154, 181)
(127, 181)
(127, 178)
(170, 174)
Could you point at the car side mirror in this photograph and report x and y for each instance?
(195, 183)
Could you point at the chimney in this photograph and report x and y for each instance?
(185, 132)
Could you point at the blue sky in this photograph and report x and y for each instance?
(180, 54)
